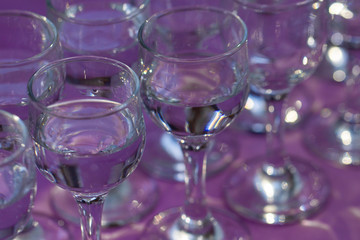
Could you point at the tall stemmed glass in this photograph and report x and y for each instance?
(88, 129)
(286, 43)
(166, 160)
(106, 28)
(194, 83)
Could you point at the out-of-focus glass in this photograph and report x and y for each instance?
(283, 51)
(17, 176)
(27, 42)
(105, 28)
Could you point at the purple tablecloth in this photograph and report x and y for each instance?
(339, 219)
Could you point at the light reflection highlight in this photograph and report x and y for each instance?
(339, 75)
(341, 9)
(305, 60)
(346, 159)
(271, 218)
(345, 137)
(336, 56)
(336, 8)
(249, 104)
(172, 148)
(291, 116)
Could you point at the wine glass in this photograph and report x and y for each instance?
(104, 28)
(279, 188)
(88, 130)
(333, 132)
(166, 160)
(28, 41)
(18, 186)
(193, 84)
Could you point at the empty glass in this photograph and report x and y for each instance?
(333, 132)
(28, 41)
(287, 40)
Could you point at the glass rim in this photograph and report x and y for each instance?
(24, 134)
(89, 58)
(141, 8)
(219, 56)
(275, 7)
(49, 26)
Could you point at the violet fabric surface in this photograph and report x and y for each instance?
(338, 219)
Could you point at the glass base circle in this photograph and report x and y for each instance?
(164, 227)
(163, 157)
(330, 137)
(130, 232)
(45, 227)
(128, 203)
(272, 200)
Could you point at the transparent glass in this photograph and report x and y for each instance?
(18, 186)
(166, 161)
(105, 28)
(300, 104)
(17, 174)
(30, 41)
(88, 129)
(333, 133)
(279, 188)
(194, 67)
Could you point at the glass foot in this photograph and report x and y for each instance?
(331, 138)
(163, 157)
(130, 232)
(276, 197)
(128, 203)
(45, 227)
(164, 227)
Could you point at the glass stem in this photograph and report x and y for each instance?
(351, 109)
(195, 217)
(90, 216)
(274, 133)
